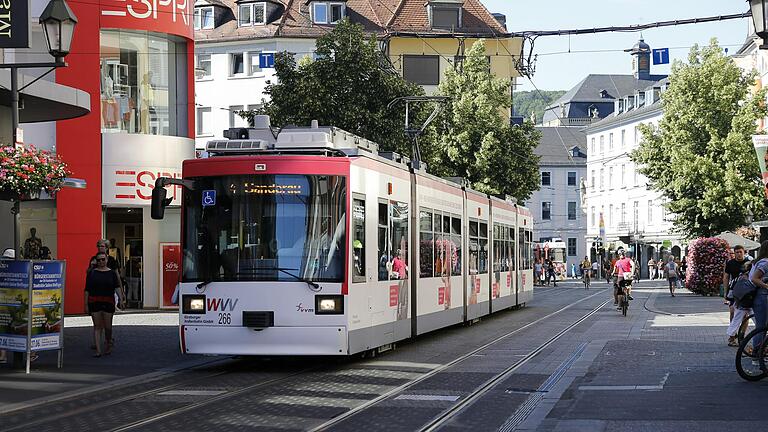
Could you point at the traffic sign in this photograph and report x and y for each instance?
(661, 56)
(209, 198)
(267, 60)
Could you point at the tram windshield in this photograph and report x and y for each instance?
(265, 228)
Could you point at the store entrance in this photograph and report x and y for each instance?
(123, 228)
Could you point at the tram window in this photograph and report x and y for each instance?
(482, 267)
(425, 220)
(455, 225)
(438, 223)
(474, 248)
(446, 224)
(358, 239)
(473, 231)
(511, 249)
(426, 245)
(456, 246)
(399, 241)
(384, 255)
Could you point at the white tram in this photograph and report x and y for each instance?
(310, 242)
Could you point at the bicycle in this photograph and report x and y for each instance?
(586, 278)
(751, 356)
(622, 295)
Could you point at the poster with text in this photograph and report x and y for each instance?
(170, 265)
(47, 295)
(14, 304)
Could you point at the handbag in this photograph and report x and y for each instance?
(744, 292)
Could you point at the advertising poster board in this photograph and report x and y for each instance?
(170, 267)
(14, 304)
(761, 148)
(47, 300)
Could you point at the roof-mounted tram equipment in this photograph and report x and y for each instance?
(309, 241)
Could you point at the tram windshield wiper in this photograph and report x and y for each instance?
(312, 285)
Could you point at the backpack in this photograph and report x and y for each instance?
(744, 292)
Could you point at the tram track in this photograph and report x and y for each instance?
(440, 420)
(156, 411)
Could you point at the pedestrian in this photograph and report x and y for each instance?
(537, 273)
(552, 273)
(608, 270)
(740, 311)
(757, 273)
(671, 270)
(595, 269)
(733, 268)
(101, 285)
(660, 268)
(683, 272)
(652, 268)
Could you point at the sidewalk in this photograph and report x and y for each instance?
(145, 343)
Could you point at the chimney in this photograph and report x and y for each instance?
(501, 18)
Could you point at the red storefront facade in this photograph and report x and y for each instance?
(107, 61)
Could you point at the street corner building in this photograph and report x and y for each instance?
(136, 62)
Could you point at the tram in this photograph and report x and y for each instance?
(309, 241)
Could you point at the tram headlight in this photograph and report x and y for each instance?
(193, 304)
(329, 304)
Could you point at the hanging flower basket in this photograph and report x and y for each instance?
(25, 172)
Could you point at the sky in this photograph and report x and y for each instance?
(559, 69)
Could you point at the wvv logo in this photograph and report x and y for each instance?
(223, 305)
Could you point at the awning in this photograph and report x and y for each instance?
(735, 239)
(44, 100)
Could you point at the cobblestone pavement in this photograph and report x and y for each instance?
(680, 375)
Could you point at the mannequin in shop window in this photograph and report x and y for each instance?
(108, 105)
(147, 105)
(32, 245)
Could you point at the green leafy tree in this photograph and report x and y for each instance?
(478, 142)
(349, 86)
(701, 157)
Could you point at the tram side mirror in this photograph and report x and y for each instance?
(159, 200)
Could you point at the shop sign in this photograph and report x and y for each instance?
(170, 270)
(14, 24)
(165, 16)
(134, 186)
(761, 148)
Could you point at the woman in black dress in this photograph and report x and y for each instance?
(101, 284)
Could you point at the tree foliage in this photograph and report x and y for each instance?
(527, 102)
(347, 86)
(478, 142)
(701, 157)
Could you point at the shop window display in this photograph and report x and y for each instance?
(139, 81)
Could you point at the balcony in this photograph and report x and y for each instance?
(577, 121)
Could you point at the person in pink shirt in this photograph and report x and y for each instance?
(624, 269)
(398, 265)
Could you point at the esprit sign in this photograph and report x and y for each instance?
(134, 186)
(14, 24)
(166, 16)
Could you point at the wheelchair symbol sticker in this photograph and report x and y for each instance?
(209, 198)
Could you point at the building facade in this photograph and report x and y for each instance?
(620, 207)
(557, 206)
(235, 40)
(135, 63)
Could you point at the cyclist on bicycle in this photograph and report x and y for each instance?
(623, 272)
(586, 268)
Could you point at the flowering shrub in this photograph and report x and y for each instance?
(706, 262)
(27, 171)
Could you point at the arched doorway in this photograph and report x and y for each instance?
(676, 251)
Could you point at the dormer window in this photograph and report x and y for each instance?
(445, 14)
(203, 17)
(328, 12)
(252, 14)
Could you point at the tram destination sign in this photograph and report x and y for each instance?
(14, 24)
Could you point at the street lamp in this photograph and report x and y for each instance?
(759, 9)
(58, 23)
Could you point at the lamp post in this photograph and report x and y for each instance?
(759, 9)
(58, 23)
